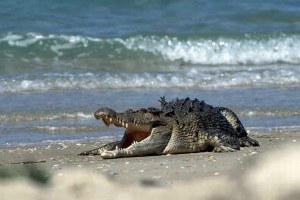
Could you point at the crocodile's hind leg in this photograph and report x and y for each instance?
(98, 151)
(153, 144)
(224, 142)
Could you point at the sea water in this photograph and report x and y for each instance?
(62, 60)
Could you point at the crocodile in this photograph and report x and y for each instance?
(179, 126)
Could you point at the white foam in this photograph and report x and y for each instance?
(222, 51)
(267, 76)
(20, 40)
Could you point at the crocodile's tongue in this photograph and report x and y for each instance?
(135, 133)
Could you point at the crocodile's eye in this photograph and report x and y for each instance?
(153, 110)
(143, 110)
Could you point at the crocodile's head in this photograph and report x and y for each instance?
(137, 123)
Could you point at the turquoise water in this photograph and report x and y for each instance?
(61, 61)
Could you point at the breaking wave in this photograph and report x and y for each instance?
(245, 50)
(36, 62)
(220, 51)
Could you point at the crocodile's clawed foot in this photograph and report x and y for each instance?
(221, 149)
(109, 154)
(91, 152)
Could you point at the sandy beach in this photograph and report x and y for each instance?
(163, 175)
(61, 61)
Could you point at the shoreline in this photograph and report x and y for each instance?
(163, 169)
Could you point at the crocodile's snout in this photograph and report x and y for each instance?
(104, 112)
(98, 115)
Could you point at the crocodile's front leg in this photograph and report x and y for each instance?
(153, 144)
(107, 147)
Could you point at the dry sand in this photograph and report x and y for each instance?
(271, 171)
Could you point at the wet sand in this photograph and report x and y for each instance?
(165, 172)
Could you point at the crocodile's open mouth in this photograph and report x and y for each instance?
(134, 131)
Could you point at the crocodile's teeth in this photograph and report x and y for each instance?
(126, 125)
(123, 124)
(110, 119)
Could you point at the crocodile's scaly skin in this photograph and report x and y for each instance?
(179, 126)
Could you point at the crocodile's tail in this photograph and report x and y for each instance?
(237, 125)
(233, 119)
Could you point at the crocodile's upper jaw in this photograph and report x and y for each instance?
(129, 126)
